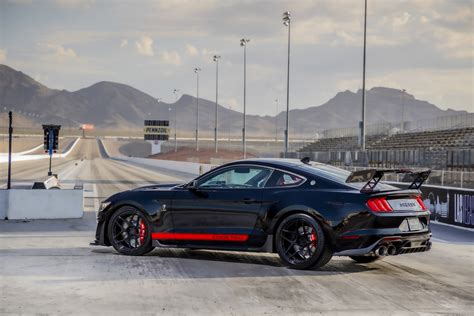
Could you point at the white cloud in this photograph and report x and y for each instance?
(3, 55)
(61, 52)
(124, 43)
(170, 58)
(230, 103)
(40, 78)
(401, 20)
(191, 50)
(20, 1)
(74, 4)
(425, 84)
(145, 46)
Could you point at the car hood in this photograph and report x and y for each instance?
(158, 187)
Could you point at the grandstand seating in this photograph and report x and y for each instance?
(338, 143)
(452, 148)
(431, 140)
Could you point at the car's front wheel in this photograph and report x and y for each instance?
(300, 242)
(129, 232)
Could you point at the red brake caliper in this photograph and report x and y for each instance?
(142, 231)
(313, 238)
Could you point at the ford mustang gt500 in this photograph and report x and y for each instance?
(306, 212)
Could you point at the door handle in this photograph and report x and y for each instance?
(249, 200)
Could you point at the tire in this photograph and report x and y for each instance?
(127, 234)
(365, 259)
(301, 244)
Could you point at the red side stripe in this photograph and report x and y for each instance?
(191, 236)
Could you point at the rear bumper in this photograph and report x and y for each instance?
(403, 244)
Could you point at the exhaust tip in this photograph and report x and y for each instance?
(392, 250)
(381, 251)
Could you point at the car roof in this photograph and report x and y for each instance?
(271, 162)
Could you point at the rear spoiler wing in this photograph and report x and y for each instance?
(373, 176)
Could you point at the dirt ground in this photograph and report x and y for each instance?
(204, 155)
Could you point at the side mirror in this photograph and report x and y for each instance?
(192, 185)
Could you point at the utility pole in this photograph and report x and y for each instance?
(243, 43)
(10, 134)
(216, 59)
(403, 110)
(362, 127)
(287, 22)
(276, 121)
(175, 92)
(197, 70)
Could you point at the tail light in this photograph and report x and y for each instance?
(379, 205)
(422, 204)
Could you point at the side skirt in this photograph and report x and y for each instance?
(267, 247)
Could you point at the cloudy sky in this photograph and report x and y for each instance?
(423, 46)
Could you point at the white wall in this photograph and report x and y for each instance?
(41, 204)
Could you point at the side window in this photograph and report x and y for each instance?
(282, 179)
(238, 177)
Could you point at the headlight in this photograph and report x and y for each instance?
(103, 206)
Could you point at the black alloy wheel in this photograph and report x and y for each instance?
(300, 242)
(129, 232)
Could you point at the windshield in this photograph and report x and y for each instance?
(340, 175)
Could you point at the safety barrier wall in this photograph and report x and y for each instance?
(182, 168)
(41, 204)
(448, 205)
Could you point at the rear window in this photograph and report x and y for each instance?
(340, 175)
(282, 179)
(326, 171)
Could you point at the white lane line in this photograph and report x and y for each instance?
(4, 159)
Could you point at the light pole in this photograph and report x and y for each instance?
(287, 22)
(243, 43)
(403, 110)
(197, 70)
(158, 100)
(276, 120)
(362, 125)
(175, 92)
(216, 59)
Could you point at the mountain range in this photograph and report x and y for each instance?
(110, 105)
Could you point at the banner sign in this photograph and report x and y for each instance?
(448, 205)
(156, 130)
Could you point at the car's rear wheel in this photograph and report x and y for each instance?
(130, 232)
(366, 259)
(301, 244)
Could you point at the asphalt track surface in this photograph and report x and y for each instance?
(49, 267)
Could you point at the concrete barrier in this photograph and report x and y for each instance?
(23, 157)
(41, 204)
(188, 168)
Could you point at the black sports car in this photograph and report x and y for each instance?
(306, 212)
